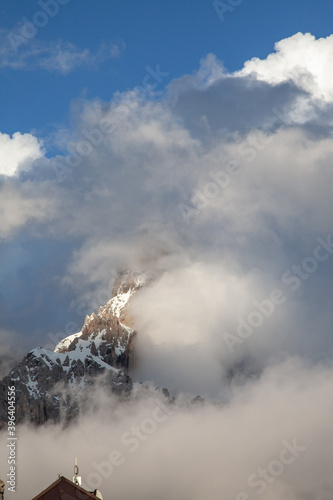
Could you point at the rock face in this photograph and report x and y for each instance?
(108, 334)
(51, 386)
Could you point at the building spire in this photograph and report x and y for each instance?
(76, 478)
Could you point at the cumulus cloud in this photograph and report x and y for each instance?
(219, 184)
(300, 58)
(17, 153)
(155, 168)
(299, 66)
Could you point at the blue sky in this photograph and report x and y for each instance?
(173, 34)
(61, 240)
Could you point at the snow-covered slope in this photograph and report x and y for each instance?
(106, 333)
(51, 386)
(103, 347)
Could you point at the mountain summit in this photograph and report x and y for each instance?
(52, 386)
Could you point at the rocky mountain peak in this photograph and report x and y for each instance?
(109, 333)
(105, 345)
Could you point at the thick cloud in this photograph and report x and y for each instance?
(301, 59)
(20, 204)
(269, 438)
(222, 183)
(233, 104)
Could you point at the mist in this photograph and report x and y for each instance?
(146, 448)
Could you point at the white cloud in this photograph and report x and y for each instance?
(147, 158)
(17, 153)
(266, 219)
(18, 206)
(196, 452)
(302, 58)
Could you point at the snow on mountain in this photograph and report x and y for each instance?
(103, 347)
(106, 334)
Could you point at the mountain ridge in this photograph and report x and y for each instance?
(104, 348)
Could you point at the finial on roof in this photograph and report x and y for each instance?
(76, 478)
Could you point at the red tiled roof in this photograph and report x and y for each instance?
(64, 489)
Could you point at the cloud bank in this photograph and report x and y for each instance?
(221, 186)
(269, 439)
(222, 183)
